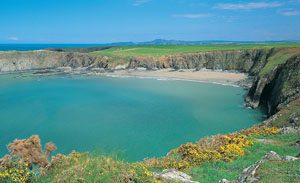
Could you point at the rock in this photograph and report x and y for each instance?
(224, 181)
(266, 141)
(272, 156)
(173, 175)
(297, 143)
(249, 174)
(289, 158)
(270, 88)
(121, 67)
(293, 118)
(64, 69)
(141, 69)
(290, 130)
(98, 70)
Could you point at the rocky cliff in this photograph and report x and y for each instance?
(278, 87)
(20, 61)
(249, 61)
(276, 71)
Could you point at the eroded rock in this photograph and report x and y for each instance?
(294, 118)
(173, 175)
(289, 158)
(290, 130)
(224, 181)
(249, 174)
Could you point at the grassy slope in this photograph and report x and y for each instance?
(279, 58)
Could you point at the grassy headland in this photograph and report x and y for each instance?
(160, 50)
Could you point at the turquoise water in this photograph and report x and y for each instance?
(129, 117)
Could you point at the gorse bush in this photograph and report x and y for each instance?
(210, 149)
(15, 170)
(24, 154)
(30, 151)
(260, 130)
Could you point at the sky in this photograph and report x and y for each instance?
(106, 21)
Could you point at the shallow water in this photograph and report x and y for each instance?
(130, 117)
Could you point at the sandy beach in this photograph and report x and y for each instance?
(198, 76)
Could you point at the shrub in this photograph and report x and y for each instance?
(30, 151)
(215, 148)
(15, 171)
(260, 130)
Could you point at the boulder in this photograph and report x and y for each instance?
(224, 181)
(249, 174)
(293, 118)
(289, 158)
(272, 156)
(173, 175)
(290, 130)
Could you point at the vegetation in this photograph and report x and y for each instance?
(281, 171)
(215, 171)
(15, 171)
(80, 167)
(217, 152)
(160, 50)
(278, 58)
(217, 148)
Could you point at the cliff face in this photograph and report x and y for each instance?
(20, 61)
(278, 87)
(276, 71)
(249, 61)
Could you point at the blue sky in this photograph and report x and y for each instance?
(103, 21)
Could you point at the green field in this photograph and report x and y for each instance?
(160, 50)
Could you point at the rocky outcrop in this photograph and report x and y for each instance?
(21, 61)
(249, 175)
(278, 87)
(173, 176)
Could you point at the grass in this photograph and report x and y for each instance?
(285, 113)
(213, 172)
(160, 50)
(281, 172)
(79, 167)
(279, 58)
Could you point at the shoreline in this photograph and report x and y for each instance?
(203, 76)
(225, 78)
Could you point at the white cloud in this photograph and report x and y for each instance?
(290, 13)
(13, 38)
(140, 2)
(193, 16)
(248, 6)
